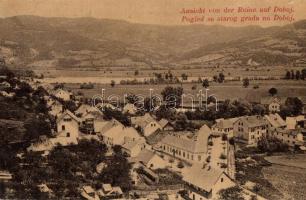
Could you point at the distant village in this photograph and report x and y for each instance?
(140, 154)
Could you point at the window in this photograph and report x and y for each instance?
(199, 158)
(221, 180)
(63, 127)
(68, 134)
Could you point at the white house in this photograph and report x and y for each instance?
(130, 108)
(205, 183)
(273, 103)
(250, 128)
(87, 192)
(275, 121)
(56, 108)
(146, 123)
(166, 125)
(149, 159)
(224, 126)
(133, 147)
(190, 150)
(110, 192)
(292, 122)
(290, 137)
(63, 94)
(67, 128)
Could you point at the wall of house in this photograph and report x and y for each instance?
(274, 107)
(228, 131)
(255, 133)
(184, 155)
(223, 182)
(63, 95)
(71, 128)
(152, 127)
(193, 195)
(290, 140)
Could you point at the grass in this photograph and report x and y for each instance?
(229, 90)
(290, 181)
(289, 160)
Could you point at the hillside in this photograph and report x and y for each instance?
(97, 44)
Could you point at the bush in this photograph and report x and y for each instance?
(271, 144)
(222, 156)
(223, 165)
(180, 165)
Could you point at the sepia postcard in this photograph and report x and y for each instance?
(153, 99)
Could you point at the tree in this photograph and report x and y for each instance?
(292, 74)
(288, 75)
(303, 74)
(113, 83)
(297, 75)
(136, 72)
(232, 193)
(205, 83)
(246, 82)
(272, 91)
(172, 96)
(221, 78)
(294, 105)
(116, 114)
(184, 77)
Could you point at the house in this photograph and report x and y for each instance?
(85, 109)
(205, 183)
(224, 126)
(149, 159)
(44, 144)
(273, 103)
(130, 108)
(5, 176)
(290, 137)
(90, 120)
(67, 128)
(5, 94)
(190, 150)
(275, 121)
(4, 85)
(87, 192)
(62, 94)
(303, 100)
(115, 133)
(293, 122)
(111, 133)
(110, 192)
(147, 124)
(166, 125)
(133, 147)
(250, 129)
(56, 108)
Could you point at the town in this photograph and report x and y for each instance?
(55, 144)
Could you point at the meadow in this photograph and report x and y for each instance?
(228, 90)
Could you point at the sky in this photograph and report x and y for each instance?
(164, 12)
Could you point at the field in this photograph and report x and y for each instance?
(228, 90)
(192, 71)
(289, 160)
(288, 175)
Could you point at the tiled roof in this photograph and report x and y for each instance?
(275, 120)
(199, 145)
(67, 112)
(253, 121)
(204, 178)
(142, 121)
